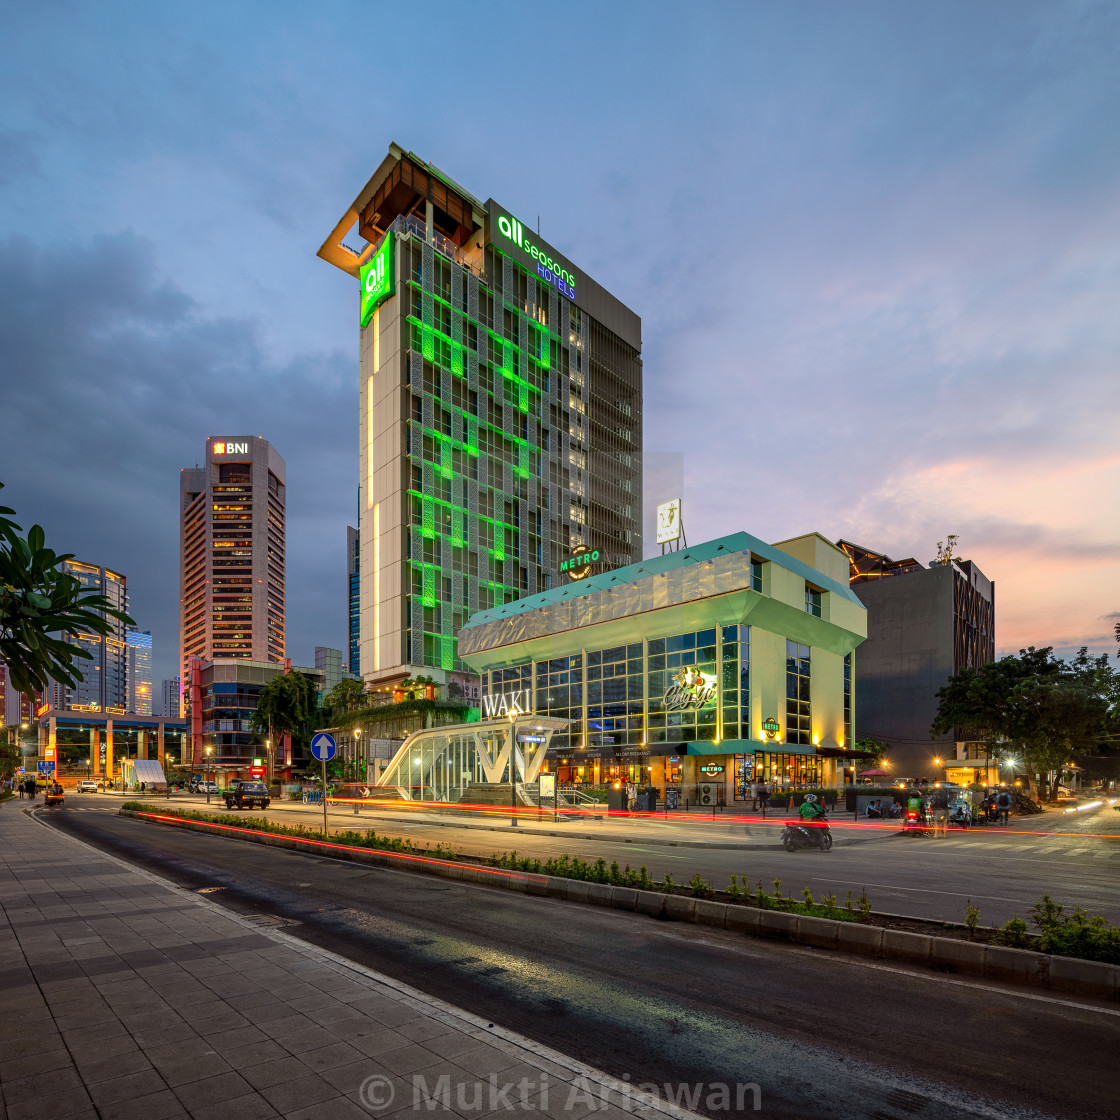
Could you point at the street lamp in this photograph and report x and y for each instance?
(513, 766)
(208, 750)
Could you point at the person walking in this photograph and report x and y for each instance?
(22, 790)
(1003, 804)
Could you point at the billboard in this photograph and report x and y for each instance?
(535, 255)
(377, 278)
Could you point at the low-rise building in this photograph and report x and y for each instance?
(703, 670)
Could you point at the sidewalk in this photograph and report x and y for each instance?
(126, 997)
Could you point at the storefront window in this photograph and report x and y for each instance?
(744, 776)
(687, 661)
(781, 771)
(614, 697)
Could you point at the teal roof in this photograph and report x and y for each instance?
(659, 565)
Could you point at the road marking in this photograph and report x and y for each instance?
(1014, 993)
(925, 890)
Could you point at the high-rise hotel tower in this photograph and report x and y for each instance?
(232, 514)
(501, 415)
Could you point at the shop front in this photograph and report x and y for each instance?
(702, 671)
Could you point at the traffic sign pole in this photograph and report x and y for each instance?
(323, 747)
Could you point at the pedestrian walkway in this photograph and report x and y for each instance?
(124, 996)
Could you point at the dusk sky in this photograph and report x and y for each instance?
(875, 248)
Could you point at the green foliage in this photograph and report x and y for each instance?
(286, 705)
(699, 887)
(971, 918)
(864, 904)
(667, 883)
(1076, 934)
(1013, 934)
(41, 607)
(1039, 704)
(345, 696)
(874, 747)
(733, 888)
(808, 896)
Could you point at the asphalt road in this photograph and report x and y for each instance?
(819, 1033)
(1075, 858)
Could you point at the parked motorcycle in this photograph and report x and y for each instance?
(795, 836)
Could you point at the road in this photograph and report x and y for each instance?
(819, 1033)
(1075, 858)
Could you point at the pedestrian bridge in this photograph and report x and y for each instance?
(441, 763)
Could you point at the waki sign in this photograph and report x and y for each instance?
(494, 707)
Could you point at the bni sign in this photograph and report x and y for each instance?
(377, 278)
(224, 447)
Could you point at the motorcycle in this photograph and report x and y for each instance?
(917, 823)
(796, 835)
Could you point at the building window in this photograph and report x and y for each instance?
(813, 601)
(798, 702)
(756, 575)
(848, 741)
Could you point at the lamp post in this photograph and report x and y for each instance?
(513, 714)
(208, 750)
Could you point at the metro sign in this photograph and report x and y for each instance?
(230, 448)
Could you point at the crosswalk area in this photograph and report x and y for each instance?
(1071, 846)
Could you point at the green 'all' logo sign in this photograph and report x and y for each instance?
(376, 277)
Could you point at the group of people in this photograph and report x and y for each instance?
(28, 787)
(876, 811)
(996, 806)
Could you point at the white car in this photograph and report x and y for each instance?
(86, 785)
(207, 787)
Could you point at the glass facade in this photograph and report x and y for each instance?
(508, 448)
(799, 709)
(139, 671)
(685, 688)
(783, 770)
(104, 683)
(849, 739)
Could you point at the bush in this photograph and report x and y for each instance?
(1076, 934)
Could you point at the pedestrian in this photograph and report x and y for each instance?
(939, 804)
(764, 797)
(1003, 804)
(22, 790)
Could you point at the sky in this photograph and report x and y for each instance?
(875, 248)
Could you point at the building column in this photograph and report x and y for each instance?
(141, 743)
(287, 749)
(94, 751)
(109, 750)
(159, 744)
(52, 744)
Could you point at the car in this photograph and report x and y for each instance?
(86, 785)
(245, 794)
(204, 787)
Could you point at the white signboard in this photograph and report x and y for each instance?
(548, 785)
(669, 521)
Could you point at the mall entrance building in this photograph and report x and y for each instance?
(704, 670)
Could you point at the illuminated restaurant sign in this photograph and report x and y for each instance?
(578, 564)
(690, 689)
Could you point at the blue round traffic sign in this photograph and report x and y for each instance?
(323, 747)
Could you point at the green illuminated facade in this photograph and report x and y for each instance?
(501, 403)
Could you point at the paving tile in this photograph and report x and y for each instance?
(256, 1052)
(379, 1042)
(275, 1072)
(163, 1105)
(408, 1059)
(126, 1088)
(337, 1108)
(330, 1057)
(213, 1090)
(49, 1105)
(305, 1091)
(252, 1106)
(104, 1069)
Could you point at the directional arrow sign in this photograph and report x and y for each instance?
(323, 747)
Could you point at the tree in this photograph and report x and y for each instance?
(345, 696)
(41, 607)
(286, 705)
(875, 748)
(1035, 704)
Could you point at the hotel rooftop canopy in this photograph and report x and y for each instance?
(618, 602)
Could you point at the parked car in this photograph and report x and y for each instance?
(245, 794)
(204, 787)
(86, 785)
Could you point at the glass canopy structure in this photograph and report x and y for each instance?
(440, 763)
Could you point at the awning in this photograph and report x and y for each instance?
(137, 770)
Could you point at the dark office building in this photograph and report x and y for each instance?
(353, 598)
(924, 624)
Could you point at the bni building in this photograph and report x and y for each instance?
(500, 398)
(232, 546)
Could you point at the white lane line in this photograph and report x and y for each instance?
(1016, 993)
(925, 890)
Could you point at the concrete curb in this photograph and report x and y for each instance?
(946, 954)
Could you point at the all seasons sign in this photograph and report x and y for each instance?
(509, 235)
(377, 277)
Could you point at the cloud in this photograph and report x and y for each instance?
(113, 378)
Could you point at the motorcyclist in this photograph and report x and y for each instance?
(813, 816)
